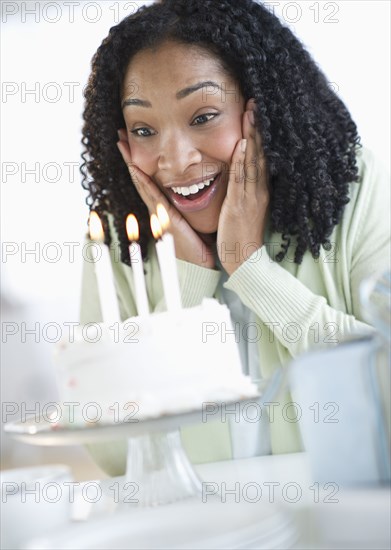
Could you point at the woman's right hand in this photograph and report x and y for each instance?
(188, 245)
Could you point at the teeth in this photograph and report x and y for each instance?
(193, 189)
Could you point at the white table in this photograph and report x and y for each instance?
(326, 517)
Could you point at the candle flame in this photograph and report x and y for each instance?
(156, 227)
(96, 228)
(163, 216)
(132, 228)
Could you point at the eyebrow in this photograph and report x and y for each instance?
(187, 91)
(179, 95)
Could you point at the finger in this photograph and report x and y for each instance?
(250, 105)
(123, 146)
(251, 169)
(122, 134)
(251, 127)
(262, 167)
(235, 187)
(255, 162)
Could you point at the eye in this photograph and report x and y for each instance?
(142, 132)
(204, 118)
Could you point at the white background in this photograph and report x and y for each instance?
(43, 47)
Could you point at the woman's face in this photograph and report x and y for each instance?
(183, 116)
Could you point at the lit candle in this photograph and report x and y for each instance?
(165, 249)
(104, 272)
(137, 265)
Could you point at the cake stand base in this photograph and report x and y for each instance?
(158, 471)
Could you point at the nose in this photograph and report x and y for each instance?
(177, 153)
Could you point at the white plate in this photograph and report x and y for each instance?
(190, 524)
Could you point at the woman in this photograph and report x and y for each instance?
(216, 110)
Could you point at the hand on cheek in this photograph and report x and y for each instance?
(243, 215)
(188, 245)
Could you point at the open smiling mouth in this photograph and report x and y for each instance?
(196, 197)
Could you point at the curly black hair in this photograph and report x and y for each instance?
(309, 138)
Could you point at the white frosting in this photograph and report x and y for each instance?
(146, 367)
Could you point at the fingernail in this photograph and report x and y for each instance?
(251, 117)
(243, 145)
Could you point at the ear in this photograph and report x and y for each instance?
(250, 105)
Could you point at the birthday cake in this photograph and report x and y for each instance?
(146, 367)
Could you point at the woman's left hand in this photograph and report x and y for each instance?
(243, 214)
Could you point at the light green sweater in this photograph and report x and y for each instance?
(296, 306)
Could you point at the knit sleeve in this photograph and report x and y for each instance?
(371, 250)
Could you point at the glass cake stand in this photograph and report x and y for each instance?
(158, 470)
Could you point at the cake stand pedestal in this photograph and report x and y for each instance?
(158, 470)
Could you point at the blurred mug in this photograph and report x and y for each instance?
(34, 501)
(344, 398)
(343, 422)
